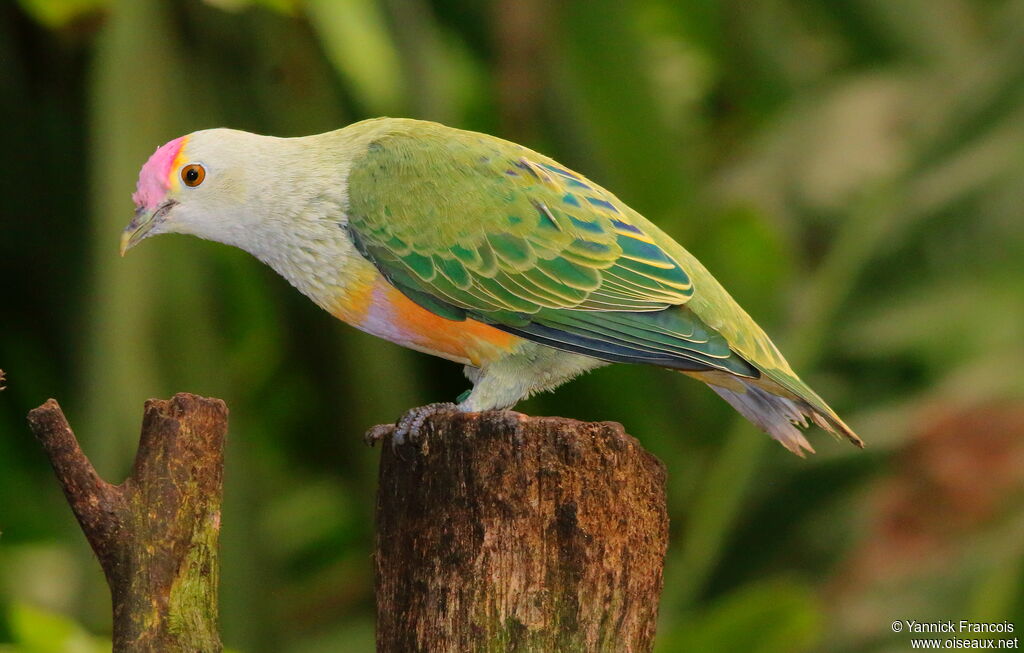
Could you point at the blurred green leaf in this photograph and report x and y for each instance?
(58, 13)
(611, 97)
(357, 42)
(775, 616)
(284, 6)
(38, 631)
(751, 258)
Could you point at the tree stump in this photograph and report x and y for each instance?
(510, 533)
(155, 534)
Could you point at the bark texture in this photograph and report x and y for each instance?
(504, 532)
(155, 534)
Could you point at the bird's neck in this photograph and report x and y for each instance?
(296, 215)
(312, 251)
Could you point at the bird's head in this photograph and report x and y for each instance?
(196, 184)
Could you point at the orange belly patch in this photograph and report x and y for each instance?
(353, 303)
(386, 313)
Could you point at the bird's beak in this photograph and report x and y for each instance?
(142, 224)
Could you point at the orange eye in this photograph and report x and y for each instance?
(193, 174)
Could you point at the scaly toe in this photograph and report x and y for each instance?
(409, 428)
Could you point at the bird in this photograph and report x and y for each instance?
(478, 250)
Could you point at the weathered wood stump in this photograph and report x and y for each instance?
(155, 534)
(512, 533)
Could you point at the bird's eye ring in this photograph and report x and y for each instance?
(193, 174)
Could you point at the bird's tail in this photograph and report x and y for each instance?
(779, 410)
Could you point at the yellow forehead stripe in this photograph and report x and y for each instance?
(173, 175)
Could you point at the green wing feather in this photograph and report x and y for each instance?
(468, 225)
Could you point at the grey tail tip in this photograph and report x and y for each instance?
(783, 418)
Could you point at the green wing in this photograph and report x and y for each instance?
(468, 225)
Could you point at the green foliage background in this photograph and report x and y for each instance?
(852, 170)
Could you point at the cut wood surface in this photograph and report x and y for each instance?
(512, 533)
(155, 534)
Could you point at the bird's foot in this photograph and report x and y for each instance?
(409, 427)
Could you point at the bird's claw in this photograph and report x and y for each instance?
(377, 434)
(409, 427)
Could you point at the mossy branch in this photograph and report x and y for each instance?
(155, 534)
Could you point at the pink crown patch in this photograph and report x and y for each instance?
(155, 177)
